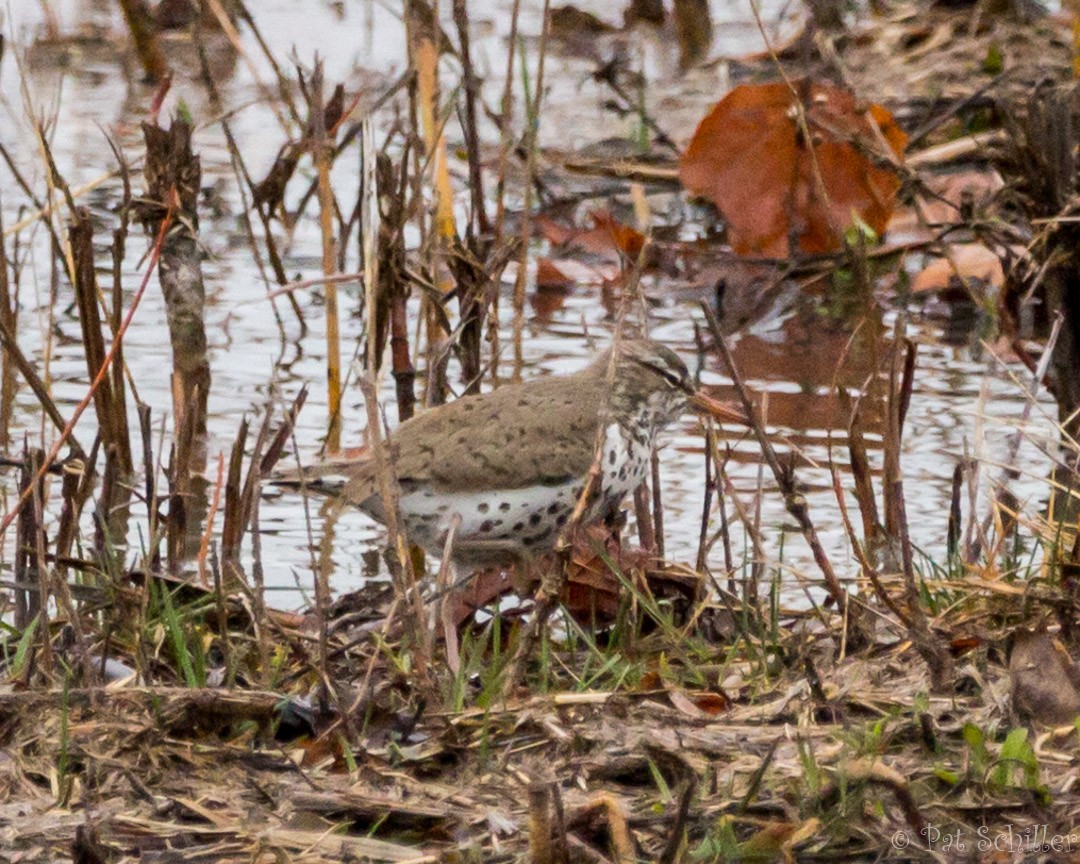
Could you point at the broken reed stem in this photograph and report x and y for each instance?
(794, 501)
(532, 121)
(155, 254)
(323, 155)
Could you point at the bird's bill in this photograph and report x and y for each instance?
(720, 411)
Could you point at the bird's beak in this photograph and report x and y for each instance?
(720, 411)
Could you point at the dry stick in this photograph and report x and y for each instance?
(657, 506)
(85, 402)
(1011, 473)
(472, 139)
(321, 144)
(794, 502)
(725, 530)
(29, 193)
(800, 119)
(706, 504)
(453, 654)
(241, 171)
(401, 562)
(860, 553)
(532, 116)
(506, 107)
(30, 375)
(41, 566)
(9, 318)
(215, 501)
(932, 649)
(750, 595)
(436, 243)
(26, 601)
(107, 402)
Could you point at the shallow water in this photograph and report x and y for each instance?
(790, 355)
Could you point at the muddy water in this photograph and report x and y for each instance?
(81, 85)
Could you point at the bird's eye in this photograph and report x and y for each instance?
(675, 379)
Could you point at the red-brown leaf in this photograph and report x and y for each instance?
(750, 159)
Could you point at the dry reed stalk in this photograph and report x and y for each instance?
(424, 36)
(143, 29)
(109, 402)
(506, 114)
(868, 568)
(794, 501)
(36, 515)
(468, 125)
(118, 338)
(246, 187)
(932, 648)
(643, 519)
(321, 145)
(446, 589)
(27, 600)
(657, 506)
(284, 90)
(706, 504)
(384, 247)
(398, 560)
(232, 530)
(532, 115)
(76, 486)
(9, 318)
(30, 375)
(208, 531)
(241, 499)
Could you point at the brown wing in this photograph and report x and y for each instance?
(513, 437)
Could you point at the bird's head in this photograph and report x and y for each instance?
(651, 376)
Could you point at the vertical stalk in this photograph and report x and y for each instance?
(323, 156)
(531, 130)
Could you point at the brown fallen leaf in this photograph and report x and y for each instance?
(750, 158)
(970, 262)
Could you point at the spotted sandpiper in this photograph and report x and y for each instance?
(512, 463)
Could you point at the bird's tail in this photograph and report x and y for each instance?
(325, 478)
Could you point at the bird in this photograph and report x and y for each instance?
(505, 469)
